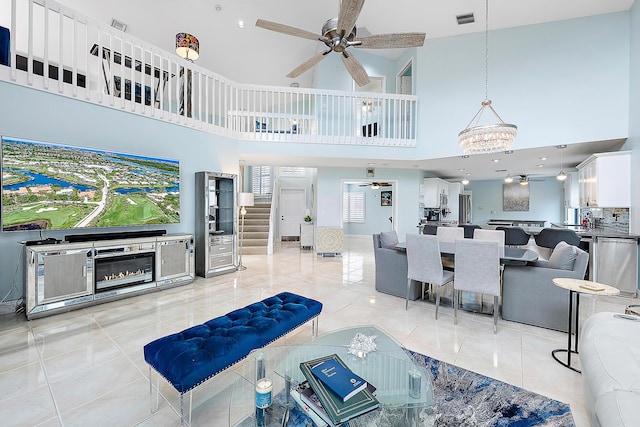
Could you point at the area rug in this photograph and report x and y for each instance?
(462, 399)
(466, 398)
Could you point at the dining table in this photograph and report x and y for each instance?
(509, 255)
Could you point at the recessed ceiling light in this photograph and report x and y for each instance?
(495, 160)
(371, 164)
(543, 158)
(461, 169)
(218, 8)
(540, 165)
(241, 24)
(295, 84)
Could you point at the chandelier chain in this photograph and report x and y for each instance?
(486, 50)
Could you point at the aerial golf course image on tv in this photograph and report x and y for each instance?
(54, 186)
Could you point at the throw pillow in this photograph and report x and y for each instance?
(389, 239)
(563, 256)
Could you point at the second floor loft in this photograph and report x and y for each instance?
(46, 46)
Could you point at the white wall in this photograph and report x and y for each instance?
(546, 200)
(41, 116)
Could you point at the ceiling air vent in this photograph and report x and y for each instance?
(467, 18)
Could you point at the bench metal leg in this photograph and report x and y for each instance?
(183, 421)
(154, 408)
(314, 327)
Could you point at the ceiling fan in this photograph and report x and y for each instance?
(376, 185)
(525, 179)
(339, 34)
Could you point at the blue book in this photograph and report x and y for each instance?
(338, 378)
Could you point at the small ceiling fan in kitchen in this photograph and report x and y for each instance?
(525, 179)
(376, 185)
(339, 35)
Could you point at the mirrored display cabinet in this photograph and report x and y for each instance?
(216, 224)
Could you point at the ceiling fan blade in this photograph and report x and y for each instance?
(355, 68)
(349, 12)
(308, 64)
(391, 41)
(292, 31)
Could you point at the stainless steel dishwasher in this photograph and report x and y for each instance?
(616, 263)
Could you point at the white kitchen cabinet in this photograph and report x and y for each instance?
(434, 189)
(572, 191)
(455, 189)
(605, 180)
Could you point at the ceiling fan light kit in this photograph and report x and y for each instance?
(492, 138)
(339, 34)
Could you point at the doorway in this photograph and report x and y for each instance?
(292, 209)
(368, 208)
(404, 79)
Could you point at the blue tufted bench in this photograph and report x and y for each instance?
(187, 359)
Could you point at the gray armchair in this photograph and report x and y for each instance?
(391, 272)
(529, 295)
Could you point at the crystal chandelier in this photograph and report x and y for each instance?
(482, 139)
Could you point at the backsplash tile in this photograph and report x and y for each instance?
(612, 218)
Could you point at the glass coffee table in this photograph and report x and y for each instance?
(389, 368)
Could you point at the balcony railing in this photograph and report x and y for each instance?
(55, 49)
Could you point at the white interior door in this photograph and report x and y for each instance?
(293, 204)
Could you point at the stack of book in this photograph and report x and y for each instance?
(332, 393)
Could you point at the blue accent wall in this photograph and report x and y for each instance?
(45, 117)
(546, 201)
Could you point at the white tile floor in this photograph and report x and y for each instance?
(86, 367)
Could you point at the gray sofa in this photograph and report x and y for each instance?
(391, 271)
(609, 354)
(529, 295)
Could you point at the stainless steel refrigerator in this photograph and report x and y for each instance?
(464, 209)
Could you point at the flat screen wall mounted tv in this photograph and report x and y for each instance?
(48, 186)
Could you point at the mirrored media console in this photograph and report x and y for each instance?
(70, 275)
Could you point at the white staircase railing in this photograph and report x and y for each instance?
(55, 49)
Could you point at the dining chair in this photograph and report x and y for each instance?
(515, 236)
(493, 235)
(478, 271)
(425, 265)
(469, 229)
(449, 235)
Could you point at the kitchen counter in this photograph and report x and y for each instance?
(596, 232)
(516, 222)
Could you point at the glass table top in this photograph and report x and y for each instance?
(388, 368)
